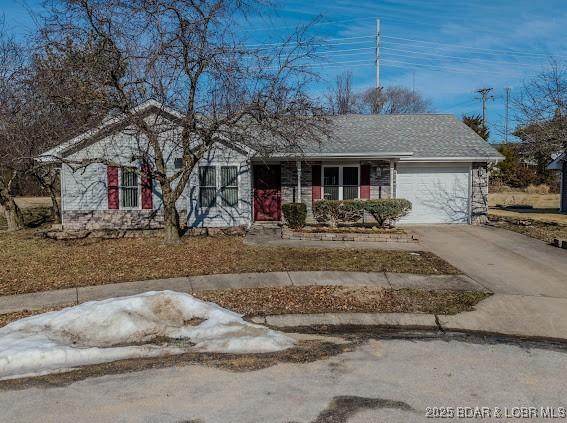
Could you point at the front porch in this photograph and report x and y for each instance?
(305, 181)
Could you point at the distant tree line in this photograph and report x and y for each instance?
(342, 99)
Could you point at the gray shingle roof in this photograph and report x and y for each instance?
(424, 135)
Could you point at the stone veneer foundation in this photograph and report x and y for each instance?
(114, 219)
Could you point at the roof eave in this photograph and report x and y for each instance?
(385, 155)
(455, 159)
(60, 150)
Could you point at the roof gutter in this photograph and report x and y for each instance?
(454, 159)
(369, 155)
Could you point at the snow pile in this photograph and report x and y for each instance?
(120, 328)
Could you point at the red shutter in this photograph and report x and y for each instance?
(365, 182)
(112, 186)
(147, 195)
(316, 182)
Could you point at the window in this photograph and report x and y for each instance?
(229, 186)
(129, 189)
(207, 186)
(178, 163)
(341, 182)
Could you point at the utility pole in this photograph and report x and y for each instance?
(484, 97)
(508, 89)
(377, 53)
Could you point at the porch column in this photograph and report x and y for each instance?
(299, 181)
(392, 179)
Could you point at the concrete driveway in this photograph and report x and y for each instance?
(503, 261)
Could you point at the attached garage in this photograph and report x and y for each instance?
(439, 192)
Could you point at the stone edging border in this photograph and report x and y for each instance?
(289, 234)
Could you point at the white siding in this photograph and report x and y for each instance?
(221, 216)
(439, 192)
(86, 189)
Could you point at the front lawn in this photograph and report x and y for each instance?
(341, 299)
(31, 264)
(544, 226)
(536, 215)
(514, 198)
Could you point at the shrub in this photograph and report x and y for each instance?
(387, 211)
(538, 189)
(334, 211)
(295, 214)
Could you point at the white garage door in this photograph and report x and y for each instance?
(439, 192)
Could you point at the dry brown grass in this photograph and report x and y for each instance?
(532, 228)
(538, 201)
(341, 299)
(31, 264)
(320, 299)
(36, 210)
(536, 215)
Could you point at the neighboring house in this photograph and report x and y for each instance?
(433, 160)
(560, 164)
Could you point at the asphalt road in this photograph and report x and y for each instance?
(381, 381)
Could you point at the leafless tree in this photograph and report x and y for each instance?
(541, 110)
(67, 92)
(372, 101)
(188, 55)
(394, 100)
(341, 98)
(12, 64)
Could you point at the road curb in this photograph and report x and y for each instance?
(403, 320)
(191, 284)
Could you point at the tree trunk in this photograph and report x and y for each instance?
(12, 212)
(55, 206)
(49, 181)
(172, 229)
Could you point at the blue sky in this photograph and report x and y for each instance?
(451, 47)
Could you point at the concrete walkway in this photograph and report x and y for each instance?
(12, 303)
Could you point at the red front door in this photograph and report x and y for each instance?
(267, 192)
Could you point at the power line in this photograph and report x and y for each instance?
(400, 64)
(522, 53)
(461, 57)
(330, 42)
(322, 41)
(440, 68)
